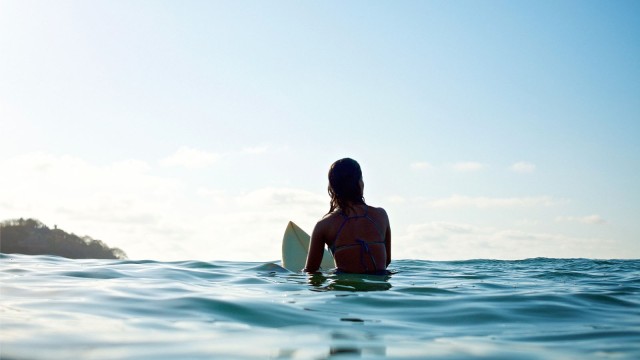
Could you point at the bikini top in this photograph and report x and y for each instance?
(363, 244)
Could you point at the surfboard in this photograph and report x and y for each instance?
(295, 246)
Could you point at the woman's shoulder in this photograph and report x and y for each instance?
(327, 218)
(327, 223)
(338, 215)
(378, 210)
(379, 214)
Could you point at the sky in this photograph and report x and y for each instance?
(180, 130)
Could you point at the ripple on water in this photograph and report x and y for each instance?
(54, 308)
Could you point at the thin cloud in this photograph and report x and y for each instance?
(468, 166)
(420, 165)
(460, 201)
(281, 197)
(396, 199)
(523, 167)
(458, 241)
(190, 158)
(120, 203)
(255, 150)
(589, 219)
(151, 216)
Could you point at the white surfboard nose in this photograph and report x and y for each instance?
(295, 247)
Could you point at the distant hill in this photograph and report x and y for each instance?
(31, 237)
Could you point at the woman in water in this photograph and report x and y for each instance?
(357, 234)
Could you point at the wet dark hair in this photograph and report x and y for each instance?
(344, 185)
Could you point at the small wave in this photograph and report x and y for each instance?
(575, 308)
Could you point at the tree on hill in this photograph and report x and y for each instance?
(31, 237)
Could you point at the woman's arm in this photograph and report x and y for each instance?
(387, 239)
(316, 250)
(387, 244)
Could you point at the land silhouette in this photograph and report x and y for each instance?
(32, 237)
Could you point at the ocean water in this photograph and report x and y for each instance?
(56, 308)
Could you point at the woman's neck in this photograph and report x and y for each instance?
(351, 207)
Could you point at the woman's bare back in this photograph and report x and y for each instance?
(359, 239)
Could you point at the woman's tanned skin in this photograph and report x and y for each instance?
(364, 223)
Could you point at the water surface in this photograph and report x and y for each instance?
(56, 308)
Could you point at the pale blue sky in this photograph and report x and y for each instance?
(174, 128)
